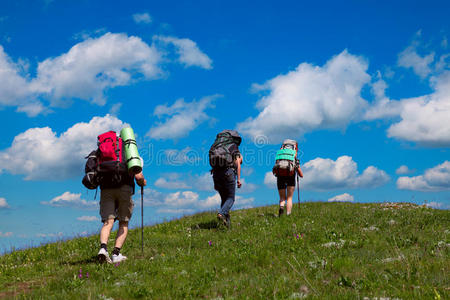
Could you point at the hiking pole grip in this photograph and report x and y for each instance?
(142, 219)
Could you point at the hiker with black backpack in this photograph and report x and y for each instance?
(225, 160)
(114, 166)
(286, 168)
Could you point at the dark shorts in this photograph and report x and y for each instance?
(285, 181)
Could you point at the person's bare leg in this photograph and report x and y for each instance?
(106, 231)
(290, 194)
(121, 234)
(282, 194)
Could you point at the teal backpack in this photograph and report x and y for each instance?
(285, 159)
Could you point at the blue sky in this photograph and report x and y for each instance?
(363, 86)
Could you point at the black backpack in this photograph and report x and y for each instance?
(90, 179)
(219, 153)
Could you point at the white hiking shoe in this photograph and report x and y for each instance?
(118, 258)
(103, 256)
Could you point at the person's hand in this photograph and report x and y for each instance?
(239, 184)
(142, 182)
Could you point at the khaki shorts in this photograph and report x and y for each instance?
(116, 203)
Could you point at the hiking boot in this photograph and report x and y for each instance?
(116, 258)
(103, 256)
(228, 221)
(222, 219)
(281, 211)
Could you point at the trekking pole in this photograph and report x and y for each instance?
(142, 219)
(298, 191)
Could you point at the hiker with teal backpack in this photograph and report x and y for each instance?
(114, 166)
(286, 168)
(225, 160)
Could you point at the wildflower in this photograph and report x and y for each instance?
(80, 275)
(210, 243)
(297, 236)
(117, 264)
(87, 274)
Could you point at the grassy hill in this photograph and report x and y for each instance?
(325, 250)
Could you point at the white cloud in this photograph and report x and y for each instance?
(94, 65)
(198, 182)
(188, 201)
(310, 98)
(171, 184)
(175, 211)
(69, 199)
(247, 187)
(175, 157)
(403, 170)
(143, 18)
(188, 51)
(40, 154)
(14, 87)
(180, 118)
(51, 235)
(342, 198)
(409, 58)
(425, 120)
(433, 180)
(325, 174)
(85, 72)
(270, 180)
(115, 108)
(437, 205)
(3, 203)
(88, 218)
(6, 234)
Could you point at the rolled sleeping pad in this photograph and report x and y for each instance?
(133, 160)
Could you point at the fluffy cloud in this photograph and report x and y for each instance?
(188, 201)
(433, 180)
(188, 52)
(198, 182)
(85, 72)
(94, 65)
(14, 87)
(143, 18)
(403, 170)
(437, 205)
(3, 203)
(180, 118)
(425, 120)
(342, 198)
(6, 234)
(89, 68)
(40, 154)
(171, 184)
(88, 218)
(69, 199)
(409, 58)
(309, 98)
(325, 174)
(175, 157)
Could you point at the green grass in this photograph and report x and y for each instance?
(323, 251)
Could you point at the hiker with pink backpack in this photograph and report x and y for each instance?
(114, 166)
(286, 168)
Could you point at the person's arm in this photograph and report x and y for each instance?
(300, 173)
(238, 163)
(140, 180)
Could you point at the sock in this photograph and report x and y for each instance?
(116, 251)
(102, 245)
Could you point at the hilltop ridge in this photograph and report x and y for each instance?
(323, 250)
